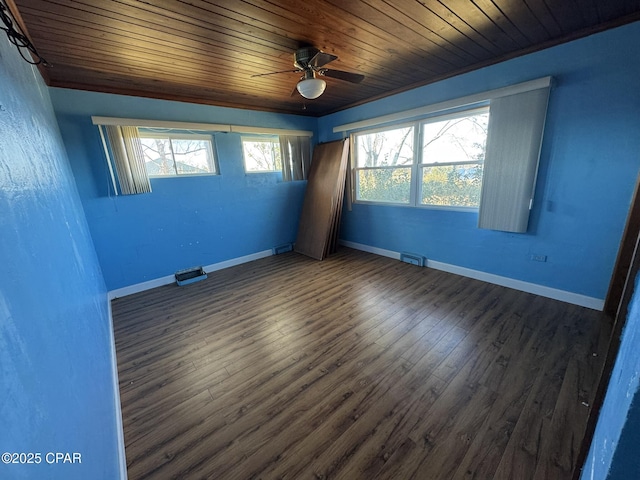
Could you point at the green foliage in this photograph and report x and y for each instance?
(385, 185)
(454, 185)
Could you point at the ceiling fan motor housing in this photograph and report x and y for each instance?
(303, 56)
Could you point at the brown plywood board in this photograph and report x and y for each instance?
(319, 219)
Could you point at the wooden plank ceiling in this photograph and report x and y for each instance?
(207, 51)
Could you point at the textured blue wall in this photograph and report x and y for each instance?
(623, 385)
(185, 221)
(56, 365)
(626, 461)
(588, 167)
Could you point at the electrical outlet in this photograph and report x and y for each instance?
(538, 258)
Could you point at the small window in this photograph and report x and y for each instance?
(173, 154)
(261, 154)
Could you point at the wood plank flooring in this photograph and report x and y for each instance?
(356, 367)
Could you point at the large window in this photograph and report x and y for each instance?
(261, 154)
(446, 170)
(171, 154)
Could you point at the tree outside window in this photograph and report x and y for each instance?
(177, 154)
(261, 154)
(445, 171)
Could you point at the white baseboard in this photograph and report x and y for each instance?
(122, 458)
(158, 282)
(536, 289)
(367, 248)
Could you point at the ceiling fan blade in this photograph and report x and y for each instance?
(320, 59)
(273, 73)
(340, 75)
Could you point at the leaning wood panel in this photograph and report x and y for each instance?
(326, 177)
(332, 245)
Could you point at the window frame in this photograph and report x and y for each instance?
(417, 165)
(469, 112)
(274, 139)
(148, 132)
(355, 169)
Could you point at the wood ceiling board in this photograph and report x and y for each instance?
(365, 50)
(212, 29)
(349, 28)
(105, 23)
(147, 69)
(137, 35)
(208, 94)
(528, 23)
(540, 9)
(158, 45)
(397, 45)
(412, 33)
(589, 13)
(453, 25)
(611, 10)
(178, 68)
(390, 22)
(298, 30)
(203, 15)
(484, 25)
(490, 9)
(110, 83)
(89, 48)
(564, 13)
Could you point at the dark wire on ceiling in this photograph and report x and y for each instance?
(18, 38)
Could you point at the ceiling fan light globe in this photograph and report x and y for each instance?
(311, 87)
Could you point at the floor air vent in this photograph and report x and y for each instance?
(412, 258)
(287, 247)
(190, 275)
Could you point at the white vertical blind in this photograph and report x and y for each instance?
(295, 154)
(126, 152)
(516, 125)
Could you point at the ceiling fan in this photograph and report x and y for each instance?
(311, 61)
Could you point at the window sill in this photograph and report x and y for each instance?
(451, 208)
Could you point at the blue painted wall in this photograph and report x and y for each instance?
(56, 365)
(185, 221)
(626, 461)
(623, 385)
(589, 162)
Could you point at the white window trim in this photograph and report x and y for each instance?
(205, 127)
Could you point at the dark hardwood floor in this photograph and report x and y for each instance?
(356, 367)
